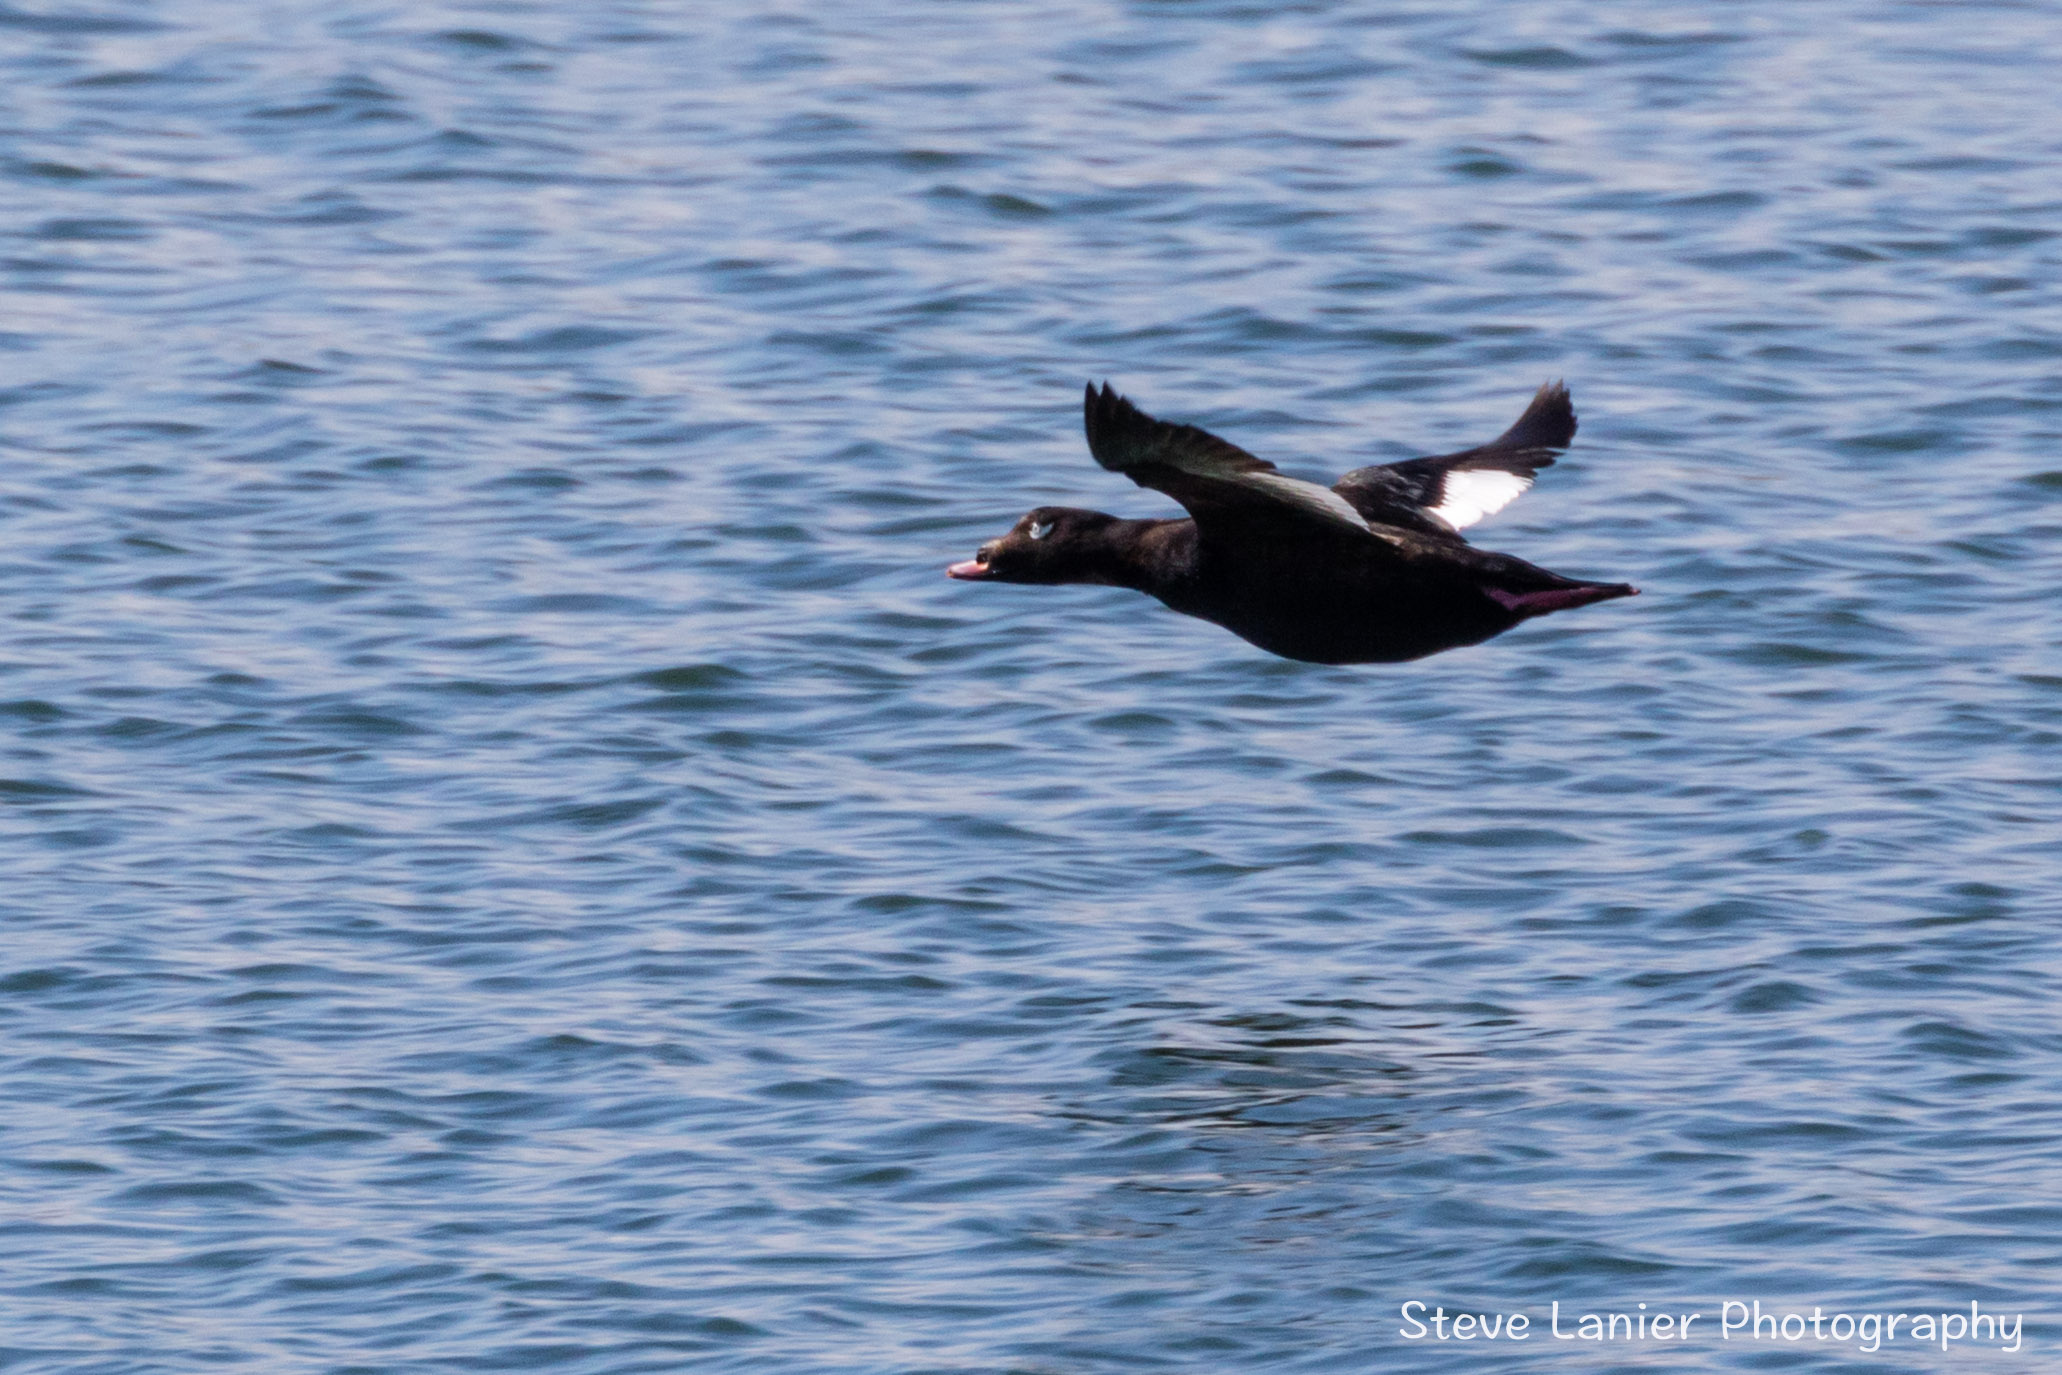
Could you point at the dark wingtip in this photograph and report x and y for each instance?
(1548, 423)
(1115, 427)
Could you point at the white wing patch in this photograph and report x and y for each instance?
(1469, 494)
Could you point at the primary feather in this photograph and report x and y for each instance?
(1194, 466)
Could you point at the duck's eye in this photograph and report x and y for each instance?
(1040, 529)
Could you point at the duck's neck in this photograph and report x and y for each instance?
(1144, 555)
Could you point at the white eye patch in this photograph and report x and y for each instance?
(1040, 529)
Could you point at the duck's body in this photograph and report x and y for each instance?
(1370, 570)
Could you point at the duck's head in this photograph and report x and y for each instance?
(1052, 544)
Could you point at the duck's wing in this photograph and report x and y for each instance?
(1214, 479)
(1449, 492)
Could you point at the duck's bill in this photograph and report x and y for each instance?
(972, 568)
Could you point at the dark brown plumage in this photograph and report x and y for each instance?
(1370, 570)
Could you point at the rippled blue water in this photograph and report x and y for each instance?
(515, 858)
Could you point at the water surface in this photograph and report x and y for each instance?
(516, 858)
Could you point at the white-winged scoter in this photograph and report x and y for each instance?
(1369, 570)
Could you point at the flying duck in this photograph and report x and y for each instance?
(1372, 569)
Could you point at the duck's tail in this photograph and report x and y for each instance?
(1540, 603)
